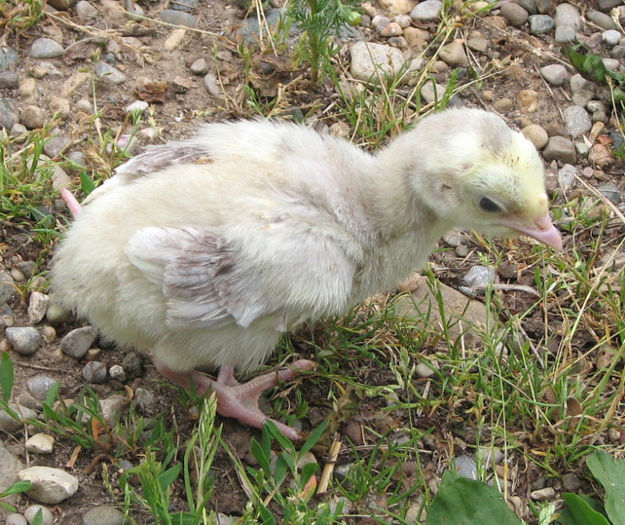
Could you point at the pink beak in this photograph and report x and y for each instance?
(542, 230)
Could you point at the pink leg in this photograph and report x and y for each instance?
(239, 400)
(74, 206)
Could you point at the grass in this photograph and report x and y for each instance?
(541, 385)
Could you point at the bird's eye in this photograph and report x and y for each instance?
(489, 205)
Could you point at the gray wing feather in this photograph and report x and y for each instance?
(160, 157)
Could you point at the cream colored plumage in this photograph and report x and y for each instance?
(204, 251)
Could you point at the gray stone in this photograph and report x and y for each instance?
(178, 18)
(560, 148)
(144, 398)
(25, 340)
(479, 276)
(10, 425)
(540, 24)
(33, 117)
(370, 59)
(184, 5)
(577, 121)
(581, 98)
(579, 83)
(454, 54)
(9, 114)
(55, 145)
(118, 373)
(611, 37)
(46, 48)
(103, 515)
(109, 73)
(8, 57)
(379, 22)
(465, 466)
(9, 80)
(77, 342)
(40, 443)
(11, 465)
(566, 176)
(50, 485)
(85, 11)
(94, 372)
(611, 192)
(40, 385)
(529, 6)
(31, 511)
(536, 134)
(8, 289)
(132, 364)
(432, 92)
(250, 31)
(424, 371)
(514, 14)
(611, 63)
(555, 74)
(607, 5)
(618, 51)
(14, 519)
(427, 11)
(603, 20)
(56, 314)
(199, 67)
(567, 15)
(111, 408)
(565, 34)
(543, 5)
(478, 43)
(212, 85)
(37, 306)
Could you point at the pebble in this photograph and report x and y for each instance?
(370, 59)
(199, 67)
(560, 148)
(454, 54)
(565, 35)
(25, 340)
(178, 18)
(111, 408)
(46, 515)
(396, 7)
(132, 364)
(479, 276)
(567, 15)
(528, 100)
(9, 80)
(432, 92)
(600, 155)
(8, 57)
(74, 82)
(40, 444)
(85, 11)
(212, 84)
(10, 425)
(540, 24)
(33, 117)
(27, 400)
(28, 86)
(40, 385)
(109, 73)
(37, 306)
(571, 482)
(611, 63)
(503, 105)
(424, 371)
(46, 48)
(56, 145)
(514, 14)
(555, 74)
(536, 135)
(611, 192)
(94, 372)
(50, 485)
(103, 515)
(9, 114)
(465, 466)
(138, 105)
(566, 176)
(577, 121)
(478, 43)
(8, 289)
(611, 37)
(118, 373)
(545, 494)
(175, 39)
(603, 20)
(403, 21)
(379, 22)
(77, 342)
(391, 30)
(15, 519)
(61, 5)
(427, 11)
(607, 5)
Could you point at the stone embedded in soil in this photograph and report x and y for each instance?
(603, 20)
(465, 466)
(611, 192)
(611, 37)
(132, 364)
(540, 24)
(50, 485)
(37, 307)
(212, 85)
(47, 518)
(560, 148)
(9, 80)
(14, 519)
(94, 372)
(8, 57)
(46, 48)
(370, 59)
(85, 11)
(567, 15)
(103, 515)
(11, 465)
(9, 113)
(454, 54)
(40, 385)
(8, 290)
(565, 35)
(40, 444)
(56, 145)
(10, 425)
(33, 117)
(427, 11)
(178, 18)
(514, 14)
(566, 176)
(555, 74)
(77, 342)
(577, 121)
(199, 67)
(109, 73)
(25, 340)
(479, 276)
(536, 135)
(111, 408)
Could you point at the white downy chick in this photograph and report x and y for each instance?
(204, 251)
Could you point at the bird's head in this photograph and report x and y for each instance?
(477, 173)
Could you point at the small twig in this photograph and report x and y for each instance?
(328, 468)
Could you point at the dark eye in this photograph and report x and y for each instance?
(488, 205)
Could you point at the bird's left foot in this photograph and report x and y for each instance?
(239, 400)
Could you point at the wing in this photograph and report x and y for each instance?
(208, 282)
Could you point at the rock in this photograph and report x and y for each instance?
(370, 59)
(540, 24)
(396, 7)
(56, 145)
(560, 148)
(607, 5)
(514, 14)
(33, 117)
(132, 364)
(9, 80)
(611, 63)
(174, 41)
(8, 113)
(465, 466)
(37, 307)
(85, 11)
(40, 444)
(60, 180)
(74, 82)
(8, 290)
(611, 192)
(555, 74)
(571, 482)
(478, 43)
(8, 57)
(611, 37)
(565, 34)
(529, 6)
(46, 48)
(14, 519)
(546, 494)
(103, 515)
(503, 105)
(424, 371)
(567, 15)
(566, 176)
(118, 373)
(603, 20)
(427, 11)
(577, 121)
(94, 372)
(109, 73)
(46, 516)
(392, 29)
(18, 132)
(111, 408)
(212, 85)
(10, 425)
(25, 340)
(479, 276)
(600, 155)
(536, 135)
(454, 54)
(11, 465)
(137, 106)
(184, 5)
(417, 38)
(77, 342)
(40, 385)
(50, 485)
(178, 18)
(199, 67)
(61, 5)
(432, 93)
(144, 398)
(379, 22)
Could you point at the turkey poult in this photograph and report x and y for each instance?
(204, 251)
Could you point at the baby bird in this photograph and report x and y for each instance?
(204, 251)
